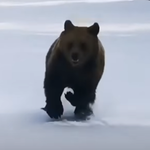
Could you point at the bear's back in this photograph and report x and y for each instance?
(52, 47)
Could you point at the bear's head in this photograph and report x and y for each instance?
(79, 44)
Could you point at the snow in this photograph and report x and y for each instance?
(51, 2)
(122, 114)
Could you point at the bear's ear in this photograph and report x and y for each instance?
(94, 29)
(68, 25)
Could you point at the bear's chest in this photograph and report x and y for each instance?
(78, 78)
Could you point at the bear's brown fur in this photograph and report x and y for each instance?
(76, 59)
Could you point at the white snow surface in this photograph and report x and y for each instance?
(121, 118)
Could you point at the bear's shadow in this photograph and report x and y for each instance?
(68, 116)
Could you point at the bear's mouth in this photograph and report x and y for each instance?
(75, 58)
(75, 61)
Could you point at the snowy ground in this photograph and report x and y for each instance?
(122, 114)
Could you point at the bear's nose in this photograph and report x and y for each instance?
(75, 57)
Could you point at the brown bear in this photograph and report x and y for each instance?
(76, 59)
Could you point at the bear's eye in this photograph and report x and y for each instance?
(70, 45)
(83, 46)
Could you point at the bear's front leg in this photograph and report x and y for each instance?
(53, 90)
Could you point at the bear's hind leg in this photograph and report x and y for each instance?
(83, 111)
(83, 108)
(81, 100)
